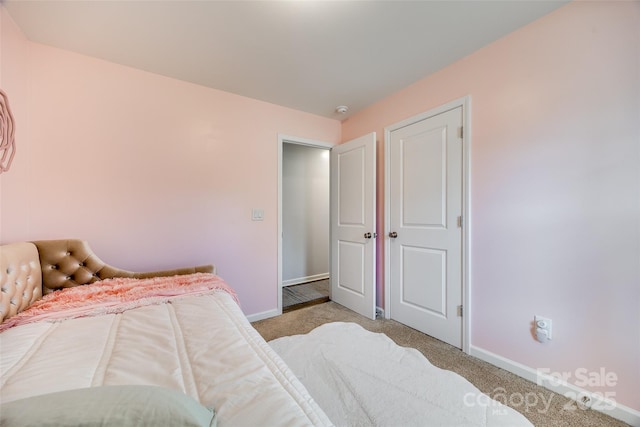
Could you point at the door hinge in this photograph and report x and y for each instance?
(460, 221)
(460, 311)
(461, 132)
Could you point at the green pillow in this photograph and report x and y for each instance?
(121, 406)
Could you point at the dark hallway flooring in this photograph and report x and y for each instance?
(303, 295)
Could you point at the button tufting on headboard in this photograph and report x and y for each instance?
(20, 278)
(67, 263)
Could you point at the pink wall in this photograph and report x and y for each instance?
(555, 187)
(14, 66)
(153, 172)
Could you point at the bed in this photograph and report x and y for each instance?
(83, 341)
(180, 355)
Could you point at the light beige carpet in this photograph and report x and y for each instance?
(543, 407)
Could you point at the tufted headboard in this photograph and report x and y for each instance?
(29, 270)
(20, 278)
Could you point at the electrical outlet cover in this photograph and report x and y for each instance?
(544, 323)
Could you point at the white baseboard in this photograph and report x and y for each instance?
(263, 315)
(598, 403)
(299, 280)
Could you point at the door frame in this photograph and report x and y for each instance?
(465, 103)
(287, 139)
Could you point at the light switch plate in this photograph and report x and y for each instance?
(257, 214)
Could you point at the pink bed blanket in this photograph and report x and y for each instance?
(115, 296)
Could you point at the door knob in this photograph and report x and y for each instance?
(367, 235)
(393, 234)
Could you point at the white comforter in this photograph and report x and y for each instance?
(201, 345)
(362, 378)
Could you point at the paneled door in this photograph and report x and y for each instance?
(425, 169)
(353, 222)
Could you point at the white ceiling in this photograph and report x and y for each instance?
(307, 55)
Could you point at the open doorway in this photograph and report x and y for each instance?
(304, 223)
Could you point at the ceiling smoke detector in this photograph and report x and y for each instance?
(342, 109)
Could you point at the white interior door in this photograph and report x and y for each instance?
(425, 235)
(353, 220)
